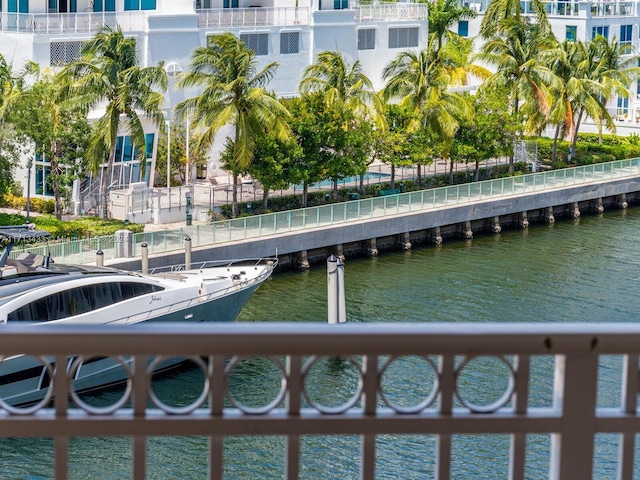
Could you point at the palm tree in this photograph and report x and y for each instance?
(233, 94)
(108, 74)
(615, 70)
(339, 81)
(420, 82)
(516, 57)
(443, 14)
(500, 10)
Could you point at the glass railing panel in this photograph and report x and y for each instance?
(439, 197)
(252, 226)
(404, 203)
(378, 207)
(237, 229)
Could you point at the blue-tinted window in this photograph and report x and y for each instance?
(132, 4)
(104, 5)
(463, 28)
(623, 106)
(626, 31)
(128, 149)
(119, 144)
(149, 137)
(21, 6)
(571, 33)
(602, 30)
(148, 5)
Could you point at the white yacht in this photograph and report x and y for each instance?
(41, 292)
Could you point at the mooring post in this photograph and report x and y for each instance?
(145, 257)
(187, 252)
(336, 306)
(100, 258)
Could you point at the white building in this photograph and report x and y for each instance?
(290, 32)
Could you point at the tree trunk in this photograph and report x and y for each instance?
(419, 175)
(305, 191)
(265, 197)
(105, 184)
(554, 150)
(335, 190)
(476, 175)
(393, 176)
(234, 198)
(361, 188)
(575, 134)
(450, 171)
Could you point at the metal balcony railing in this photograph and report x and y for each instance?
(375, 354)
(252, 17)
(58, 23)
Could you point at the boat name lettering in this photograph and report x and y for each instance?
(155, 298)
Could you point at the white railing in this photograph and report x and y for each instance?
(56, 23)
(388, 12)
(252, 17)
(374, 352)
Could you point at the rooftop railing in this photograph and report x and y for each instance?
(387, 12)
(57, 23)
(507, 362)
(252, 17)
(84, 250)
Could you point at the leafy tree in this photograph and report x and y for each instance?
(11, 141)
(490, 133)
(108, 74)
(58, 130)
(274, 164)
(233, 94)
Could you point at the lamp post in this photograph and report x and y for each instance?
(168, 153)
(28, 190)
(188, 172)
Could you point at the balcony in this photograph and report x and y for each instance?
(569, 356)
(67, 23)
(391, 12)
(252, 17)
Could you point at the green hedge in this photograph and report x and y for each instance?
(80, 228)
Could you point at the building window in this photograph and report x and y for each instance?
(340, 4)
(625, 35)
(18, 6)
(602, 31)
(104, 5)
(62, 53)
(258, 42)
(571, 33)
(367, 39)
(463, 28)
(289, 42)
(403, 37)
(203, 4)
(139, 4)
(623, 106)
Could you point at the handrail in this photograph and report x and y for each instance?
(225, 231)
(568, 354)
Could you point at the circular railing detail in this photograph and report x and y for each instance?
(501, 401)
(170, 409)
(430, 396)
(90, 409)
(350, 403)
(277, 400)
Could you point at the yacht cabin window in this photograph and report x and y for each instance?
(76, 301)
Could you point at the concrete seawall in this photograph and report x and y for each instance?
(297, 249)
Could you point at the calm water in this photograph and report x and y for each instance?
(571, 271)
